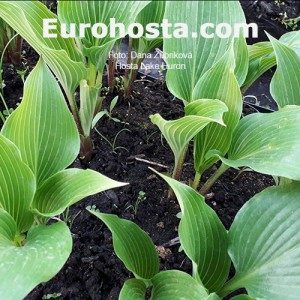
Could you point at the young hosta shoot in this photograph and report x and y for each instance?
(263, 244)
(37, 142)
(180, 132)
(210, 74)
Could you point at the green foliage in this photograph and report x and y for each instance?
(263, 244)
(75, 62)
(205, 52)
(262, 56)
(37, 142)
(217, 70)
(268, 143)
(179, 133)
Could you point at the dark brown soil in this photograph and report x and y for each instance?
(93, 271)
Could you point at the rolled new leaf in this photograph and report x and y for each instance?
(42, 127)
(179, 133)
(17, 185)
(133, 289)
(176, 285)
(61, 54)
(23, 267)
(286, 81)
(268, 143)
(67, 187)
(132, 245)
(202, 236)
(264, 244)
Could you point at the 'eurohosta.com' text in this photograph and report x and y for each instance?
(165, 29)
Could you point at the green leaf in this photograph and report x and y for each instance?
(241, 59)
(8, 228)
(132, 245)
(68, 187)
(92, 12)
(152, 13)
(176, 285)
(42, 126)
(264, 244)
(268, 143)
(202, 236)
(45, 252)
(133, 289)
(219, 83)
(205, 52)
(61, 54)
(179, 133)
(262, 57)
(17, 185)
(286, 81)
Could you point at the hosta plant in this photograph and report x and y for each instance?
(76, 62)
(37, 142)
(217, 70)
(263, 244)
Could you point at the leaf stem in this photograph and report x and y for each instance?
(210, 182)
(196, 180)
(177, 170)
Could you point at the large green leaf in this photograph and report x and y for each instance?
(202, 236)
(22, 268)
(132, 245)
(286, 80)
(61, 54)
(133, 289)
(42, 126)
(152, 13)
(205, 52)
(199, 114)
(67, 187)
(92, 12)
(17, 185)
(264, 244)
(268, 143)
(219, 83)
(176, 285)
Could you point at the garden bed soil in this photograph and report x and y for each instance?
(93, 271)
